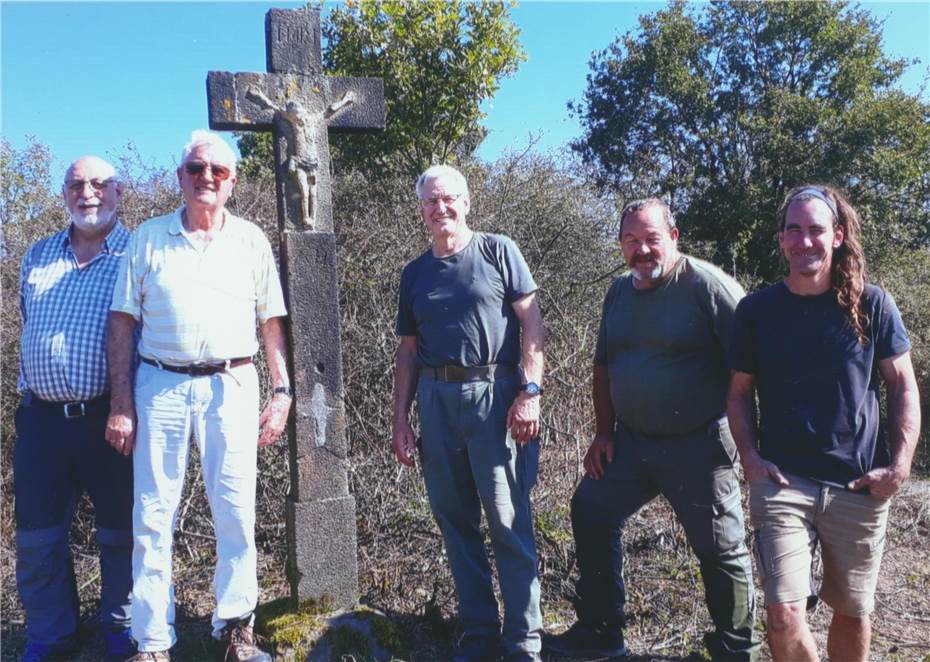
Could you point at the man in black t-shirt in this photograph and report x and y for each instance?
(813, 348)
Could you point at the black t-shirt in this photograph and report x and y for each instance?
(818, 385)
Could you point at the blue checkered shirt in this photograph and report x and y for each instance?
(65, 309)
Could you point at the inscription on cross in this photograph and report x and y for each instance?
(300, 105)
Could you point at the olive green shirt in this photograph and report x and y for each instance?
(665, 348)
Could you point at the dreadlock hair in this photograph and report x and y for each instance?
(847, 269)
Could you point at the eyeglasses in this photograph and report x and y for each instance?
(196, 168)
(77, 185)
(447, 200)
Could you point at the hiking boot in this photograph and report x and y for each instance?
(583, 640)
(240, 643)
(118, 645)
(475, 648)
(150, 656)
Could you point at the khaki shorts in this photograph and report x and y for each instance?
(790, 521)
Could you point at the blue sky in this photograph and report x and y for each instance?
(94, 77)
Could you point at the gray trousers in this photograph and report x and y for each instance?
(470, 462)
(696, 473)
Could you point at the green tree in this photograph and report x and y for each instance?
(723, 109)
(439, 60)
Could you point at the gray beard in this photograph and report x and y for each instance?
(652, 275)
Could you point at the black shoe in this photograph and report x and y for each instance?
(583, 640)
(475, 648)
(523, 656)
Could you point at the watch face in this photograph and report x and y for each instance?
(532, 388)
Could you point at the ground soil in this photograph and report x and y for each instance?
(666, 611)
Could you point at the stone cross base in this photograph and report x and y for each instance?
(321, 550)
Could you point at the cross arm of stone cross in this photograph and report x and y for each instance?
(247, 101)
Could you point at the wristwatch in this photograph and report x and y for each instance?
(286, 390)
(531, 388)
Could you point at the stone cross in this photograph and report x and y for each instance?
(300, 106)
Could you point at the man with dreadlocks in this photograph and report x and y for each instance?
(812, 348)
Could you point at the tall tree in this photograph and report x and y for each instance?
(439, 59)
(724, 109)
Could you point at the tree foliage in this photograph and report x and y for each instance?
(439, 61)
(724, 109)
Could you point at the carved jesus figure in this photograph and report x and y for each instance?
(297, 125)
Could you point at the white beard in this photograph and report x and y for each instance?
(95, 221)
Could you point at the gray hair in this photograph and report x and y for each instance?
(644, 203)
(212, 140)
(437, 171)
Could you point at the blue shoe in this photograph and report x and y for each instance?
(36, 652)
(118, 645)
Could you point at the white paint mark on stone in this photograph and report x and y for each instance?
(320, 412)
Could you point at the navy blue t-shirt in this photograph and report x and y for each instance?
(460, 307)
(818, 386)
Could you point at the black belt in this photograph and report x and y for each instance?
(199, 369)
(75, 409)
(457, 373)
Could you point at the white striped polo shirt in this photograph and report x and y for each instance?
(198, 303)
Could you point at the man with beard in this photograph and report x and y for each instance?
(197, 280)
(471, 349)
(816, 348)
(66, 285)
(659, 389)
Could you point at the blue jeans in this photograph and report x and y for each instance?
(469, 462)
(56, 460)
(696, 473)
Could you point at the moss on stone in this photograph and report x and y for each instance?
(291, 628)
(346, 640)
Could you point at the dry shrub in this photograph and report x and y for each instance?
(565, 231)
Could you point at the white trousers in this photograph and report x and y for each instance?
(221, 412)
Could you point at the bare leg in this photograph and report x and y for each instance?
(305, 204)
(849, 638)
(788, 635)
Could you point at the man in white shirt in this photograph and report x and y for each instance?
(197, 280)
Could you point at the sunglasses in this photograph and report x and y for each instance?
(77, 185)
(196, 168)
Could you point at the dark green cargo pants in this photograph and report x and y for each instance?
(696, 473)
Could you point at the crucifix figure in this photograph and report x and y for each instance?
(296, 125)
(300, 106)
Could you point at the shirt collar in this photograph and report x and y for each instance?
(176, 227)
(116, 238)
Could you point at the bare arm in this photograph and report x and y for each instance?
(274, 417)
(903, 427)
(602, 448)
(405, 386)
(121, 424)
(259, 97)
(741, 414)
(523, 416)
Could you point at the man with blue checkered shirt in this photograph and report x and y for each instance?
(66, 285)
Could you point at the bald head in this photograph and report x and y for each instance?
(91, 163)
(91, 194)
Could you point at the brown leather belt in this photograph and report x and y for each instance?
(199, 369)
(457, 373)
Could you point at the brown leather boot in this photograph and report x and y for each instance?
(240, 643)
